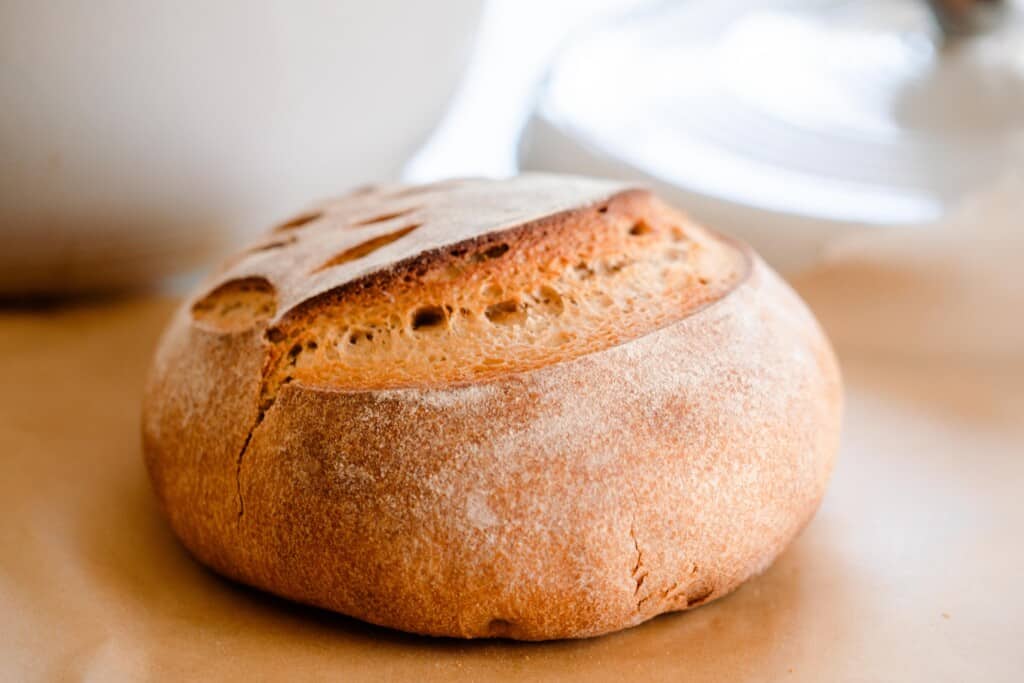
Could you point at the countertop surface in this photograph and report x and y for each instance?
(909, 572)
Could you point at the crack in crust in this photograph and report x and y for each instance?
(238, 471)
(639, 572)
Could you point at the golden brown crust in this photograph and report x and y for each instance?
(566, 500)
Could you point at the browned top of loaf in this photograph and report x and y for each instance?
(465, 280)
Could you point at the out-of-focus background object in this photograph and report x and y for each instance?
(793, 123)
(960, 18)
(139, 138)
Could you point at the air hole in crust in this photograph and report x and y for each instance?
(236, 305)
(495, 251)
(427, 317)
(641, 228)
(299, 221)
(366, 248)
(504, 312)
(551, 299)
(583, 270)
(359, 335)
(383, 217)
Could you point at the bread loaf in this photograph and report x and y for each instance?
(544, 407)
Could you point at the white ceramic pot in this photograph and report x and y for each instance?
(137, 135)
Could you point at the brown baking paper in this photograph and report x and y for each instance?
(910, 571)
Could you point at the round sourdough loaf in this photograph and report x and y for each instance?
(544, 407)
